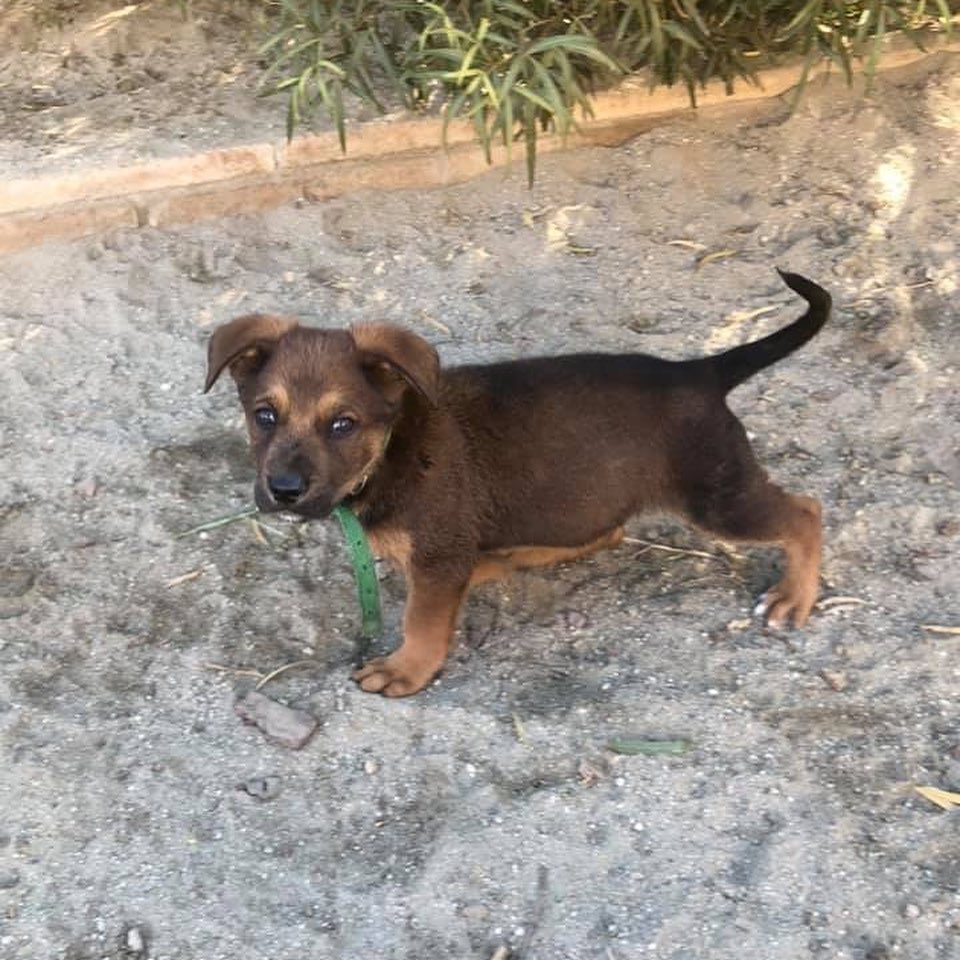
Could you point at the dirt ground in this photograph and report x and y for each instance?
(487, 817)
(96, 82)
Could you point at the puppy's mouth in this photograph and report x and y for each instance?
(316, 505)
(305, 505)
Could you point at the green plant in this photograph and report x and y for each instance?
(845, 32)
(508, 67)
(515, 69)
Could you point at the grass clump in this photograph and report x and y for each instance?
(516, 69)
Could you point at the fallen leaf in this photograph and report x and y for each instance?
(942, 798)
(634, 746)
(435, 323)
(715, 256)
(687, 244)
(519, 729)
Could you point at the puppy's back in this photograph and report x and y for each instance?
(575, 444)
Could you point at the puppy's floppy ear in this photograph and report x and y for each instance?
(244, 344)
(403, 353)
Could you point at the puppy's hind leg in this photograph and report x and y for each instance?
(733, 499)
(801, 536)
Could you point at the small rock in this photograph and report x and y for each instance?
(11, 609)
(322, 275)
(119, 240)
(911, 911)
(16, 581)
(475, 912)
(370, 767)
(281, 724)
(833, 235)
(86, 488)
(835, 679)
(208, 266)
(135, 942)
(574, 619)
(590, 773)
(949, 527)
(9, 879)
(262, 788)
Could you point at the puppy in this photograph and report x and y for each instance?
(466, 474)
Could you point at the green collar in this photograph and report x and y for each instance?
(364, 570)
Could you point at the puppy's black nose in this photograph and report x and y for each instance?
(287, 487)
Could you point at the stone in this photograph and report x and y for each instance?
(279, 723)
(262, 788)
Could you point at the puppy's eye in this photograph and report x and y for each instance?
(265, 417)
(343, 426)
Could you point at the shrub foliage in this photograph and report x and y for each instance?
(514, 69)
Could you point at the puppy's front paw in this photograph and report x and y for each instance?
(398, 675)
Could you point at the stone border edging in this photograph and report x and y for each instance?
(383, 154)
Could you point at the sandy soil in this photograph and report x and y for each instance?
(97, 83)
(140, 818)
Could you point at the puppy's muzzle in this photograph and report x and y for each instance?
(286, 488)
(291, 491)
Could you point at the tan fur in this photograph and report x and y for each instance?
(392, 544)
(499, 564)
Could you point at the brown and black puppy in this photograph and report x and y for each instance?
(463, 475)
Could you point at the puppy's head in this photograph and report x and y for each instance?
(320, 404)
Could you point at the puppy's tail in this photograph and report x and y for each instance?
(734, 366)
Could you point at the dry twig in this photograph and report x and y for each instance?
(829, 603)
(185, 578)
(265, 679)
(651, 545)
(236, 671)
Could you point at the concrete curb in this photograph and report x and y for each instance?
(388, 154)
